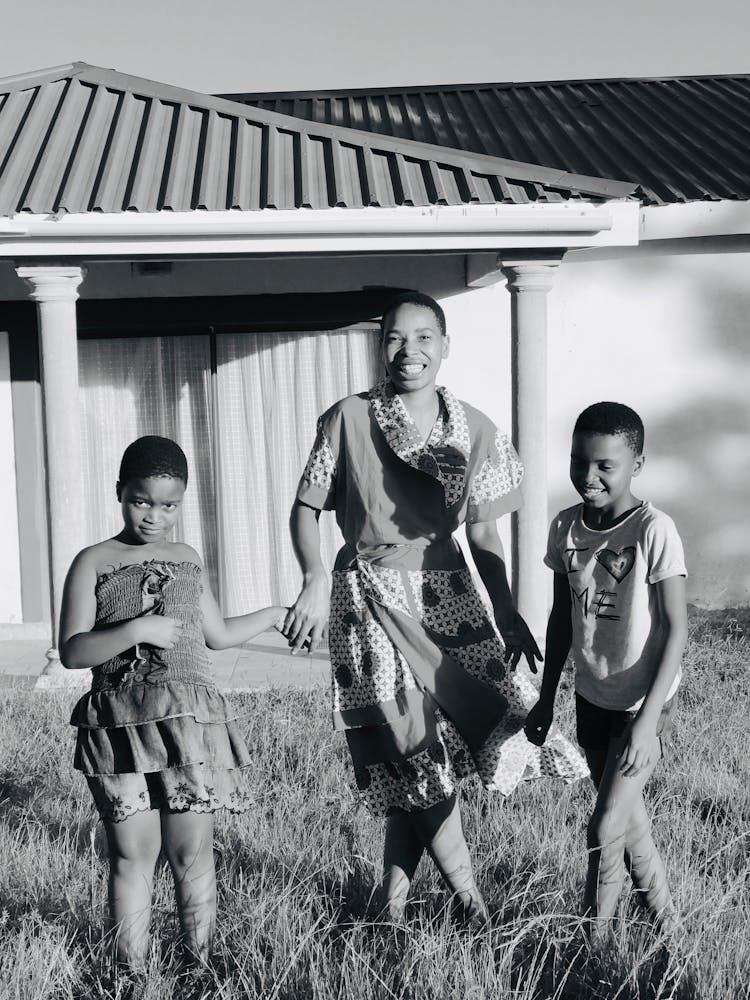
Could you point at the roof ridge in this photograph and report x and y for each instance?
(481, 162)
(484, 85)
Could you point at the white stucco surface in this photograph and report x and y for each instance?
(10, 576)
(668, 334)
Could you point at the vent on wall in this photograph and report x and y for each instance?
(151, 268)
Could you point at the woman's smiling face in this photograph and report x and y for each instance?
(413, 347)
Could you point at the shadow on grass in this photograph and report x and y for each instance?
(567, 966)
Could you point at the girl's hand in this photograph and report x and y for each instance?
(306, 622)
(518, 640)
(538, 722)
(641, 748)
(159, 631)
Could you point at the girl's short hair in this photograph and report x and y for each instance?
(415, 299)
(612, 418)
(153, 456)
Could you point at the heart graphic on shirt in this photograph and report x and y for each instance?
(617, 564)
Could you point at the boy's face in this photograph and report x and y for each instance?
(601, 468)
(413, 347)
(150, 507)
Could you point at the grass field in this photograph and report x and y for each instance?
(297, 912)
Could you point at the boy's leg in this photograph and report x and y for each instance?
(188, 843)
(620, 826)
(401, 854)
(134, 845)
(442, 833)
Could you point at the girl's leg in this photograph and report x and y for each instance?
(133, 849)
(442, 833)
(620, 828)
(402, 852)
(188, 843)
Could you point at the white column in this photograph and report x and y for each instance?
(528, 284)
(55, 290)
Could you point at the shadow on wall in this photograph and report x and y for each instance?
(698, 459)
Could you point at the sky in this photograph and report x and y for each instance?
(225, 46)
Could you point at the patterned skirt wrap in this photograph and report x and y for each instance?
(154, 731)
(420, 685)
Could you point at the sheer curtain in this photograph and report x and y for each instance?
(246, 432)
(148, 385)
(270, 390)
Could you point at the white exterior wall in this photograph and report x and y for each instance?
(668, 334)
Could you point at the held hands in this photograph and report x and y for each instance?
(159, 631)
(518, 640)
(538, 722)
(306, 622)
(641, 748)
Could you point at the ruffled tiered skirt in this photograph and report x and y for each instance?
(189, 755)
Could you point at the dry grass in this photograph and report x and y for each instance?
(297, 912)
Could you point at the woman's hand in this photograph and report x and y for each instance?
(518, 639)
(306, 622)
(538, 722)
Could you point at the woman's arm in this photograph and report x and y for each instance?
(489, 558)
(639, 748)
(80, 647)
(557, 647)
(306, 622)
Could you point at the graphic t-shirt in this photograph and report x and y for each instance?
(618, 637)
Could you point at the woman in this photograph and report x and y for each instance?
(422, 685)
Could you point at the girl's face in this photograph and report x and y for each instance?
(150, 507)
(413, 347)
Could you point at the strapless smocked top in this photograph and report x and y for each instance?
(145, 683)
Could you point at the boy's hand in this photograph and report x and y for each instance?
(518, 640)
(641, 748)
(538, 722)
(159, 631)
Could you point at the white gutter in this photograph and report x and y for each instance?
(339, 229)
(695, 219)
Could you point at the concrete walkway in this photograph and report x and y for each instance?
(263, 663)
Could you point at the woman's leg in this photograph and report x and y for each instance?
(619, 829)
(133, 849)
(188, 843)
(402, 852)
(442, 833)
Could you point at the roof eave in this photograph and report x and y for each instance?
(330, 231)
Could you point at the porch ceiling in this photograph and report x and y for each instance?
(79, 139)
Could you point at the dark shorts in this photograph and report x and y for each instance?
(596, 727)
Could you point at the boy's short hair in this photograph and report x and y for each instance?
(153, 456)
(415, 299)
(612, 418)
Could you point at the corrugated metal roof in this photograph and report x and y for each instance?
(79, 139)
(682, 139)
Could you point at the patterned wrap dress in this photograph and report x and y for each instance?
(419, 684)
(154, 730)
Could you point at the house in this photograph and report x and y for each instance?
(662, 325)
(211, 269)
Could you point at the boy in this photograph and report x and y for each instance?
(619, 614)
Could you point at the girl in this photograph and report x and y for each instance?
(422, 686)
(159, 745)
